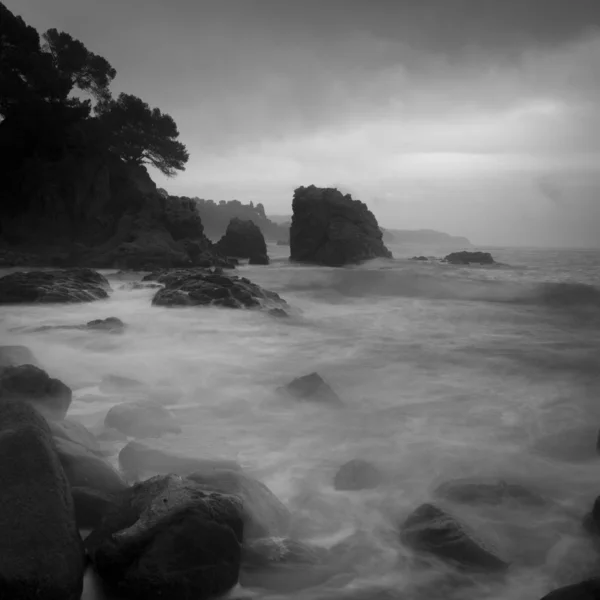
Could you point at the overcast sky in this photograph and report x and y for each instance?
(476, 117)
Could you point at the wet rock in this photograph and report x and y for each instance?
(586, 590)
(432, 530)
(75, 432)
(481, 490)
(168, 538)
(91, 506)
(357, 474)
(141, 419)
(31, 384)
(259, 259)
(242, 239)
(138, 459)
(264, 514)
(41, 555)
(110, 325)
(198, 288)
(331, 229)
(311, 388)
(15, 356)
(278, 312)
(74, 285)
(466, 258)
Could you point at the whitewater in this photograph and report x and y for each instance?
(445, 372)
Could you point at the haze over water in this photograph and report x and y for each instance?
(444, 371)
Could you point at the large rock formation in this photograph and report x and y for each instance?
(243, 239)
(331, 229)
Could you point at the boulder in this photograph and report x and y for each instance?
(41, 554)
(110, 325)
(141, 419)
(242, 239)
(139, 460)
(311, 388)
(31, 384)
(198, 288)
(481, 490)
(431, 530)
(168, 538)
(466, 258)
(586, 590)
(264, 514)
(91, 506)
(15, 356)
(331, 229)
(73, 285)
(357, 474)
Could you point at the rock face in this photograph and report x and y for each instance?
(199, 288)
(243, 239)
(466, 258)
(28, 383)
(41, 554)
(168, 538)
(75, 285)
(331, 229)
(432, 530)
(357, 474)
(311, 388)
(141, 419)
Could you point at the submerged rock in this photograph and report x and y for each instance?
(168, 538)
(199, 288)
(141, 419)
(357, 474)
(41, 554)
(432, 530)
(110, 324)
(15, 356)
(331, 229)
(466, 258)
(311, 388)
(74, 285)
(28, 383)
(586, 590)
(243, 239)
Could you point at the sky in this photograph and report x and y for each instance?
(479, 118)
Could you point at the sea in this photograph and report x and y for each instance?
(445, 372)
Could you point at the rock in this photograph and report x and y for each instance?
(331, 229)
(586, 590)
(419, 258)
(481, 490)
(264, 514)
(76, 433)
(357, 474)
(432, 530)
(138, 459)
(591, 521)
(311, 388)
(31, 384)
(198, 288)
(259, 259)
(91, 506)
(74, 285)
(15, 356)
(242, 239)
(41, 554)
(141, 419)
(167, 538)
(111, 325)
(465, 258)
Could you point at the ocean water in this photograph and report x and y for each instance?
(445, 372)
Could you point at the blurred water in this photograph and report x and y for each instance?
(444, 371)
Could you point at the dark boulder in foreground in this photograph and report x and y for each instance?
(331, 229)
(586, 590)
(141, 419)
(199, 288)
(15, 356)
(31, 384)
(466, 258)
(74, 285)
(91, 506)
(41, 554)
(168, 538)
(139, 460)
(311, 388)
(432, 530)
(356, 475)
(243, 239)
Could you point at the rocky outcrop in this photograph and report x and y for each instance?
(141, 419)
(311, 388)
(243, 239)
(201, 288)
(41, 554)
(331, 229)
(74, 285)
(27, 383)
(357, 474)
(168, 538)
(466, 258)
